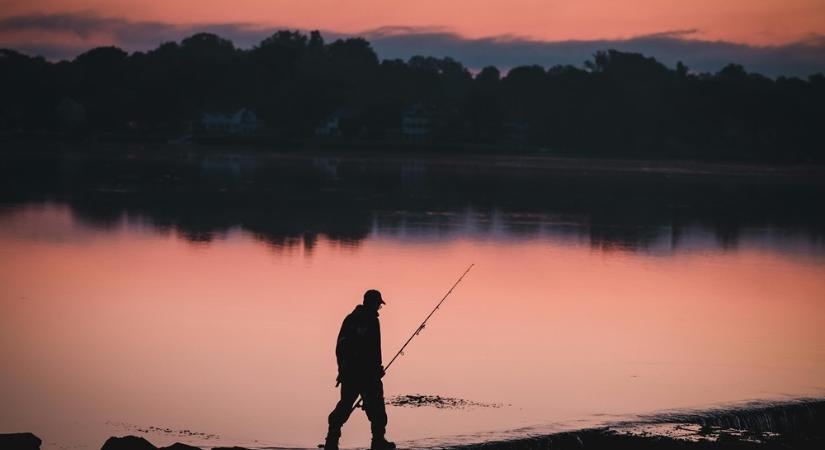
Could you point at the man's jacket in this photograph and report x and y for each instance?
(359, 346)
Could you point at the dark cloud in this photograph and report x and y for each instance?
(86, 30)
(800, 58)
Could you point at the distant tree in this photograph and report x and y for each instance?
(281, 51)
(207, 47)
(525, 94)
(489, 77)
(617, 103)
(353, 52)
(681, 70)
(316, 41)
(732, 72)
(626, 65)
(27, 90)
(102, 58)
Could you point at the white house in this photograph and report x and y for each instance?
(330, 126)
(415, 122)
(244, 121)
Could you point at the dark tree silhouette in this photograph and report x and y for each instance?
(617, 104)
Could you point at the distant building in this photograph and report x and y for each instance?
(244, 121)
(331, 126)
(416, 122)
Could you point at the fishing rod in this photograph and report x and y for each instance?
(415, 333)
(419, 329)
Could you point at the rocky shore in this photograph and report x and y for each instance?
(792, 425)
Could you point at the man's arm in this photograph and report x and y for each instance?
(376, 344)
(343, 347)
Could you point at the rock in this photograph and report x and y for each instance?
(127, 443)
(19, 441)
(179, 446)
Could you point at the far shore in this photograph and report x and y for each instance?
(533, 161)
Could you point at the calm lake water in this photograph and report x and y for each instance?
(206, 312)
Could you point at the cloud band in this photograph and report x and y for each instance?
(63, 36)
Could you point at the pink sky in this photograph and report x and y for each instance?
(756, 22)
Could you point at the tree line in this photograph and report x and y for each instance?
(616, 104)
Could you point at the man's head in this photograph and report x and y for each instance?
(372, 299)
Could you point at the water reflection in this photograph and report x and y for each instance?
(207, 296)
(430, 226)
(287, 202)
(219, 337)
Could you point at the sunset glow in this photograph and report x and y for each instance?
(146, 328)
(760, 22)
(251, 224)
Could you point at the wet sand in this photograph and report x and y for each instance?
(792, 425)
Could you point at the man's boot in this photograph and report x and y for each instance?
(379, 443)
(331, 442)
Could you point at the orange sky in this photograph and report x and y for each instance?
(760, 22)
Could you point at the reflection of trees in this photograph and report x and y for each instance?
(623, 237)
(293, 203)
(280, 225)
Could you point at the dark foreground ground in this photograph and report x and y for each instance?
(792, 425)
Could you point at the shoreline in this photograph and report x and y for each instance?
(795, 424)
(532, 162)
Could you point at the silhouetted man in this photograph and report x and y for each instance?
(360, 371)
